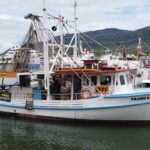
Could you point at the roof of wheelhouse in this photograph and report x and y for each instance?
(90, 61)
(79, 71)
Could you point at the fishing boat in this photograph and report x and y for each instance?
(7, 59)
(82, 94)
(93, 92)
(12, 57)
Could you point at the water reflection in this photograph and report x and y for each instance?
(30, 135)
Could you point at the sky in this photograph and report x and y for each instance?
(92, 15)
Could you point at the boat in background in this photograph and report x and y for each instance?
(10, 59)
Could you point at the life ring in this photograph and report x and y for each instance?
(86, 93)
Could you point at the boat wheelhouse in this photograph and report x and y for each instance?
(98, 79)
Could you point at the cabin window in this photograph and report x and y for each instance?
(24, 80)
(88, 66)
(94, 80)
(113, 80)
(122, 80)
(116, 82)
(95, 66)
(128, 78)
(85, 81)
(105, 80)
(9, 58)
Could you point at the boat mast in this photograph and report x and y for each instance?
(45, 51)
(75, 26)
(61, 19)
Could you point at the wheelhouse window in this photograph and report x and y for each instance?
(85, 81)
(88, 66)
(113, 79)
(122, 80)
(131, 78)
(128, 78)
(105, 80)
(95, 66)
(94, 80)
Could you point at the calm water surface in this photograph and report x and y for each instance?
(32, 135)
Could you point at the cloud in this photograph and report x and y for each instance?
(12, 32)
(93, 15)
(11, 18)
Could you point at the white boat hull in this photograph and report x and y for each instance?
(101, 109)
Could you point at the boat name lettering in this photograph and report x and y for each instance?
(140, 98)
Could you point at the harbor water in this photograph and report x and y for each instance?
(32, 135)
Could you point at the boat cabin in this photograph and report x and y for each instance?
(75, 83)
(95, 81)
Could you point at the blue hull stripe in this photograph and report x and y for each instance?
(128, 95)
(77, 108)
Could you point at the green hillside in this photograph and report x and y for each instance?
(117, 39)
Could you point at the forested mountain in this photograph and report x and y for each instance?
(116, 39)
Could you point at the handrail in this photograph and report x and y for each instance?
(59, 96)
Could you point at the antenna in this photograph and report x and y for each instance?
(44, 5)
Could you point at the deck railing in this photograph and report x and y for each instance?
(61, 96)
